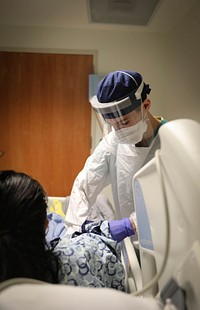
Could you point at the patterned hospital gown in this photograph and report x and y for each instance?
(91, 258)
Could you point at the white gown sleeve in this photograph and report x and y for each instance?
(88, 184)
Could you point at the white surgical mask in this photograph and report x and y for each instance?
(132, 134)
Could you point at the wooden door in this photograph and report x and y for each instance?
(45, 116)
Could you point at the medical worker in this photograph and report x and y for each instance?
(123, 106)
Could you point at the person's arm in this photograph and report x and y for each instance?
(115, 230)
(87, 185)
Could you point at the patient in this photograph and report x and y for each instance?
(90, 258)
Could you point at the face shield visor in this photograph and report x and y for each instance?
(126, 118)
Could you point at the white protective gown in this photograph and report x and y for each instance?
(113, 163)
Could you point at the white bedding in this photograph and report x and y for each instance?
(101, 210)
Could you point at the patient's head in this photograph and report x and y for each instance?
(23, 249)
(22, 204)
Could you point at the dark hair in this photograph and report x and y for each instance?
(23, 248)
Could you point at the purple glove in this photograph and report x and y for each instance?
(121, 229)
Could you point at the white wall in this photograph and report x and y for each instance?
(169, 63)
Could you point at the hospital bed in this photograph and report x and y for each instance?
(167, 274)
(167, 201)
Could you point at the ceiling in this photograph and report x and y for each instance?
(164, 17)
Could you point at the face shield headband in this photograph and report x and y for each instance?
(119, 108)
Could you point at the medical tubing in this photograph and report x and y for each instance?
(166, 208)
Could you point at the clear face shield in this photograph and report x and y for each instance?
(127, 118)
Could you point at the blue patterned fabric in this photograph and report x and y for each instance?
(91, 258)
(56, 227)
